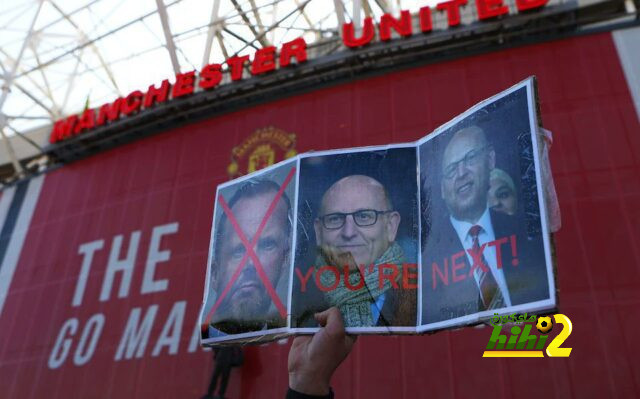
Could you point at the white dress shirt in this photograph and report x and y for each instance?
(486, 235)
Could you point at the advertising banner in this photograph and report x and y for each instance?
(450, 230)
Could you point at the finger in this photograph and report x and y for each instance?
(321, 317)
(334, 326)
(331, 315)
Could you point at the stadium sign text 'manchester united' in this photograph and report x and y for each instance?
(266, 59)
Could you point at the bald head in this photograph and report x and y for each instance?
(345, 201)
(469, 137)
(356, 186)
(467, 162)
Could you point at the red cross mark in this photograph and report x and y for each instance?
(251, 252)
(478, 259)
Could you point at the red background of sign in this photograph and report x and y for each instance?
(172, 177)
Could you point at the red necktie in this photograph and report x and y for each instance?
(490, 293)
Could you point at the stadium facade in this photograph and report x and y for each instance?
(104, 249)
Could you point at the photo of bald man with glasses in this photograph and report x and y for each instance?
(474, 258)
(356, 227)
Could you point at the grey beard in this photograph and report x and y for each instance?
(250, 311)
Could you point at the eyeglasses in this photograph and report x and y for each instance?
(471, 158)
(362, 218)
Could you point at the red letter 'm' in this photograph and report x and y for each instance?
(63, 129)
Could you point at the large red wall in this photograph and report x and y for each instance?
(171, 177)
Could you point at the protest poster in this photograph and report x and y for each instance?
(247, 286)
(357, 239)
(447, 231)
(485, 238)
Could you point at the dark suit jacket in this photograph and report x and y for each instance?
(399, 308)
(527, 282)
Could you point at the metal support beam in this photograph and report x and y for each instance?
(9, 14)
(70, 82)
(93, 47)
(273, 21)
(51, 112)
(77, 10)
(12, 154)
(304, 15)
(225, 53)
(171, 47)
(367, 8)
(25, 138)
(26, 92)
(92, 41)
(42, 90)
(384, 6)
(47, 87)
(256, 15)
(339, 13)
(24, 117)
(214, 28)
(242, 39)
(357, 14)
(6, 87)
(11, 75)
(275, 25)
(259, 36)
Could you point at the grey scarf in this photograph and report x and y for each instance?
(355, 305)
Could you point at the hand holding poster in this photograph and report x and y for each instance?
(407, 238)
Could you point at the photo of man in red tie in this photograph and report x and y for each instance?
(474, 259)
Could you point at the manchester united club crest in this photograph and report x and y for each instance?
(263, 148)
